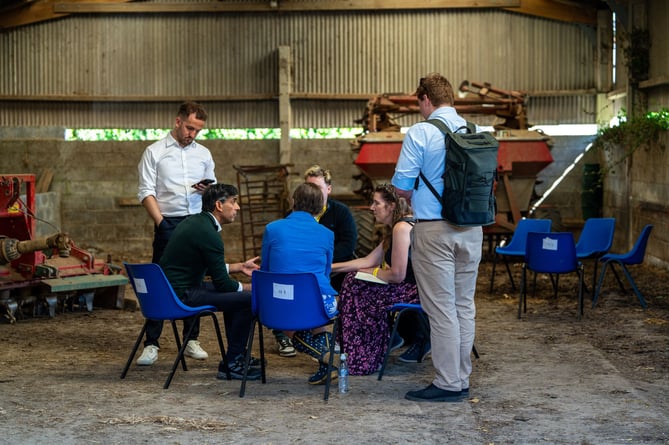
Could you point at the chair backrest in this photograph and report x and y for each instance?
(638, 252)
(524, 226)
(156, 297)
(551, 252)
(596, 237)
(288, 301)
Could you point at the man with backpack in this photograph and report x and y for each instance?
(445, 256)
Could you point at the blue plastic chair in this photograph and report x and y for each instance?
(158, 301)
(516, 247)
(553, 253)
(395, 313)
(634, 256)
(286, 302)
(595, 241)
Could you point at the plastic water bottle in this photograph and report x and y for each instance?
(343, 374)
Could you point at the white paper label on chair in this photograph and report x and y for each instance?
(140, 286)
(283, 291)
(549, 244)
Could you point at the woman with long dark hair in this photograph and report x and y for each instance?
(363, 305)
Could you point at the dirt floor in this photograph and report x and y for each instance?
(546, 379)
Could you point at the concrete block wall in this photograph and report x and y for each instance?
(636, 193)
(97, 185)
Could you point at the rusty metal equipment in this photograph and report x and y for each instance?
(45, 273)
(263, 198)
(522, 153)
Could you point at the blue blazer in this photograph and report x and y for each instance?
(298, 243)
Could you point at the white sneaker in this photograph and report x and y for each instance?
(194, 350)
(149, 356)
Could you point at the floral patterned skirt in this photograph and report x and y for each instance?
(365, 327)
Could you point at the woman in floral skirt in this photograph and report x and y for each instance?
(363, 304)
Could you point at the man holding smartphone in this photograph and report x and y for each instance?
(173, 174)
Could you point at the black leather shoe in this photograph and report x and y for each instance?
(434, 394)
(237, 370)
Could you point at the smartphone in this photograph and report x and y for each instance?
(204, 182)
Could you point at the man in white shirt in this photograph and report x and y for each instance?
(172, 174)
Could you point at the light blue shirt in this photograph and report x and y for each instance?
(167, 172)
(424, 149)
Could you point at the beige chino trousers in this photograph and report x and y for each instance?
(445, 260)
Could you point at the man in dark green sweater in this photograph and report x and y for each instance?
(195, 250)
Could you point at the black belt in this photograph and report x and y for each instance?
(175, 218)
(429, 220)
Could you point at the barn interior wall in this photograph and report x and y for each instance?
(97, 184)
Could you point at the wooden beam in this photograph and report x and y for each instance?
(255, 97)
(37, 11)
(25, 15)
(88, 7)
(160, 99)
(556, 10)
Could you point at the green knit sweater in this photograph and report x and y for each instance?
(194, 250)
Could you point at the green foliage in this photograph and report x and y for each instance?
(630, 135)
(208, 134)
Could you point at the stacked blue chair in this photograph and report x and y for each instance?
(553, 253)
(633, 257)
(595, 241)
(286, 302)
(158, 301)
(516, 248)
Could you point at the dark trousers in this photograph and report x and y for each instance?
(237, 315)
(161, 235)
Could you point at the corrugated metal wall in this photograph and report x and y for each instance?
(132, 70)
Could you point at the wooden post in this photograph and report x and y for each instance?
(285, 115)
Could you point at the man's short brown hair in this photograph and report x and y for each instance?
(308, 198)
(437, 88)
(188, 108)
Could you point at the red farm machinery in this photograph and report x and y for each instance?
(522, 153)
(41, 275)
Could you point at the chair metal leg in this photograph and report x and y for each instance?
(261, 345)
(492, 275)
(634, 287)
(247, 356)
(522, 292)
(219, 337)
(134, 350)
(598, 289)
(508, 271)
(180, 354)
(178, 342)
(594, 277)
(396, 317)
(615, 274)
(328, 379)
(581, 285)
(556, 285)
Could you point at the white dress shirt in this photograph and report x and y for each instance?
(167, 171)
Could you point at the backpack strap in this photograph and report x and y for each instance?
(470, 127)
